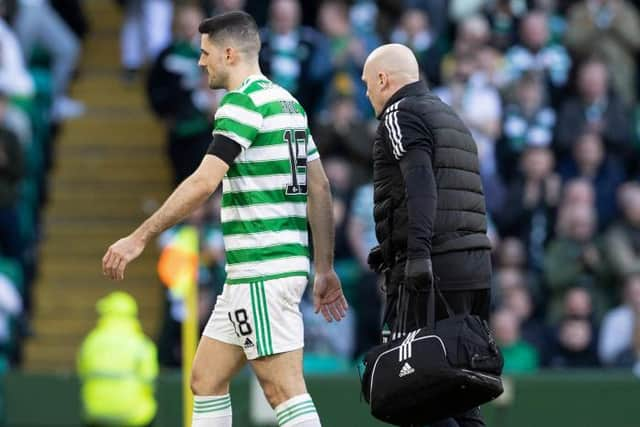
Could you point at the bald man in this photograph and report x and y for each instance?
(429, 205)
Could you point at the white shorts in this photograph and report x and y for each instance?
(263, 317)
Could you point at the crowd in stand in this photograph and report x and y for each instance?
(549, 91)
(40, 45)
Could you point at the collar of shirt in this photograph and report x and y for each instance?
(411, 89)
(250, 79)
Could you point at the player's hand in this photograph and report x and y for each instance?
(119, 255)
(328, 297)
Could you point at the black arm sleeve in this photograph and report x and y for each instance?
(412, 145)
(224, 148)
(420, 185)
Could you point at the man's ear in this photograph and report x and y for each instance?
(382, 79)
(230, 54)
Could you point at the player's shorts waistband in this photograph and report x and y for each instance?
(266, 278)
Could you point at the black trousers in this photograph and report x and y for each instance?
(369, 305)
(473, 302)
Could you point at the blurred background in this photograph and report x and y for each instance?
(103, 111)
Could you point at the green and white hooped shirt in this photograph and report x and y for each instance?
(264, 203)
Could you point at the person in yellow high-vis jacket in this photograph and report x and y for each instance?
(118, 365)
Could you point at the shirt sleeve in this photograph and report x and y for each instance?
(238, 119)
(412, 146)
(312, 150)
(406, 131)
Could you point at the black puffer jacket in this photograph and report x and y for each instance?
(415, 119)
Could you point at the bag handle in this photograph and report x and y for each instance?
(444, 301)
(431, 305)
(401, 306)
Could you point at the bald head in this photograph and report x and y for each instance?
(397, 60)
(387, 69)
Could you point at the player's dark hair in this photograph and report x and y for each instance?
(237, 26)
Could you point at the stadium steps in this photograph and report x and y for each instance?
(111, 172)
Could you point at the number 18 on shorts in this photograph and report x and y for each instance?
(263, 318)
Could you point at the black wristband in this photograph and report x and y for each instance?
(224, 148)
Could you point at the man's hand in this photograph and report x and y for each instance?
(328, 297)
(119, 255)
(418, 274)
(375, 260)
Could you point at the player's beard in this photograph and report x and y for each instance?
(219, 81)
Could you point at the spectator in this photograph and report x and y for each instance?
(12, 171)
(14, 77)
(595, 109)
(342, 132)
(436, 11)
(555, 20)
(505, 16)
(511, 253)
(388, 12)
(363, 15)
(479, 106)
(11, 306)
(506, 279)
(512, 256)
(490, 64)
(605, 173)
(20, 196)
(38, 24)
(619, 327)
(295, 57)
(339, 173)
(414, 30)
(533, 330)
(611, 30)
(348, 52)
(179, 95)
(362, 238)
(575, 257)
(15, 119)
(519, 356)
(581, 303)
(532, 200)
(145, 32)
(578, 303)
(575, 344)
(472, 35)
(622, 240)
(536, 54)
(459, 10)
(527, 121)
(578, 192)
